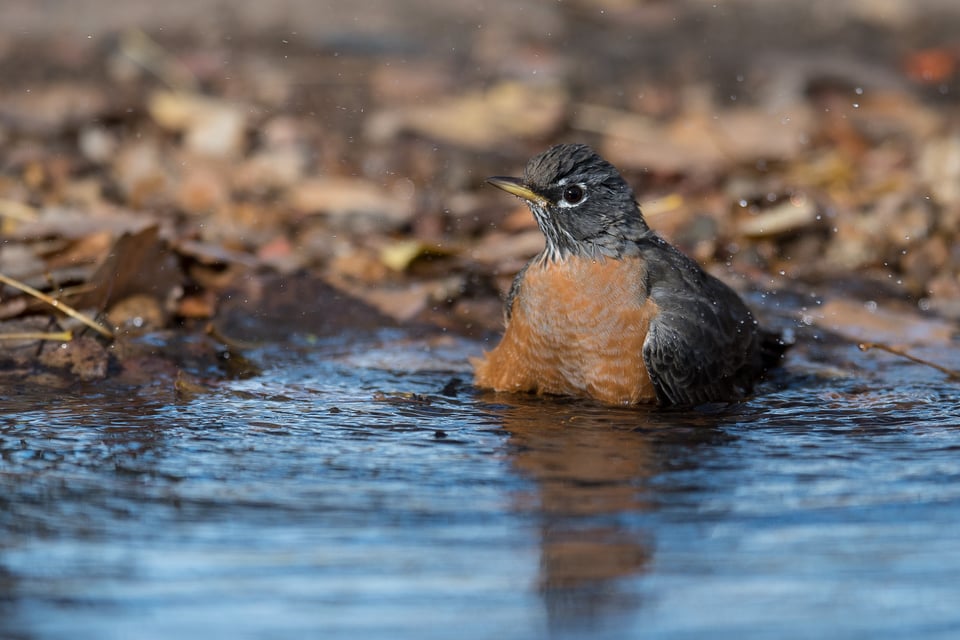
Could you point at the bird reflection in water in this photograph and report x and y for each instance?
(591, 467)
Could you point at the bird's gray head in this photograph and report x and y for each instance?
(580, 201)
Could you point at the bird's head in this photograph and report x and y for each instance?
(580, 201)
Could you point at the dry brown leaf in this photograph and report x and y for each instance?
(83, 357)
(137, 313)
(197, 306)
(358, 264)
(507, 250)
(20, 261)
(519, 219)
(215, 254)
(398, 82)
(211, 126)
(13, 213)
(202, 190)
(939, 167)
(97, 144)
(746, 135)
(632, 140)
(503, 114)
(50, 107)
(353, 203)
(932, 66)
(138, 263)
(281, 255)
(696, 141)
(789, 216)
(278, 168)
(399, 255)
(140, 171)
(406, 301)
(74, 223)
(869, 322)
(88, 249)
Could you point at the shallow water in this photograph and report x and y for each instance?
(355, 490)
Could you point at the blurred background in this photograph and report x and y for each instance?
(796, 142)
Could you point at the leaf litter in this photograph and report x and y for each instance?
(144, 187)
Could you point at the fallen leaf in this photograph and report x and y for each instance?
(197, 306)
(399, 255)
(278, 168)
(931, 66)
(138, 263)
(13, 213)
(83, 357)
(696, 141)
(353, 203)
(507, 250)
(139, 170)
(791, 215)
(480, 119)
(869, 322)
(211, 126)
(136, 314)
(48, 108)
(939, 166)
(202, 190)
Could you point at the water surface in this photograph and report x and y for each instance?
(356, 490)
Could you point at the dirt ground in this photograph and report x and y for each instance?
(160, 162)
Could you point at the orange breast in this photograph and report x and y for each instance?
(577, 328)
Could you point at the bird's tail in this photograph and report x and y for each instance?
(773, 347)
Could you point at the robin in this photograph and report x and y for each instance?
(609, 310)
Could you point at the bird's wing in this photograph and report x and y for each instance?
(514, 290)
(703, 344)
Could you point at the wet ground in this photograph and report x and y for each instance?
(360, 488)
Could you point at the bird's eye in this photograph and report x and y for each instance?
(573, 194)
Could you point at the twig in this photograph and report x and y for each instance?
(56, 304)
(950, 373)
(58, 336)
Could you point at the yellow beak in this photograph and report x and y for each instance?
(516, 187)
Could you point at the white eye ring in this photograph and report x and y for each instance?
(573, 195)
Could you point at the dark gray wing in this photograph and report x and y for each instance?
(703, 346)
(515, 289)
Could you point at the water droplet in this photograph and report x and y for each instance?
(858, 91)
(870, 305)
